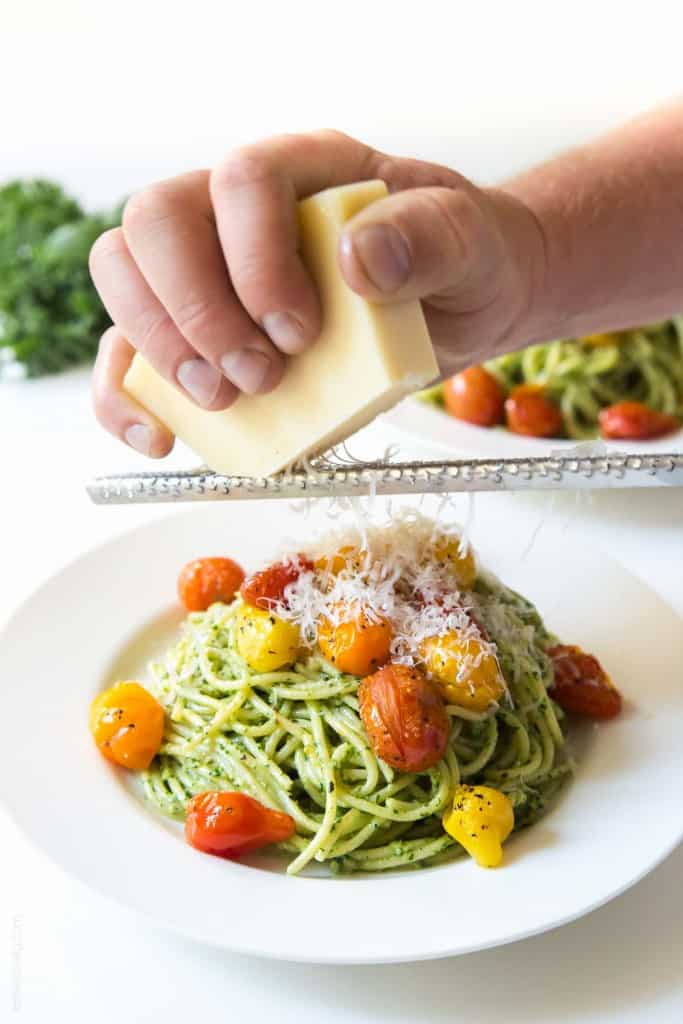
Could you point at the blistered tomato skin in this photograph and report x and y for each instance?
(633, 421)
(230, 824)
(358, 645)
(265, 641)
(404, 717)
(581, 685)
(266, 589)
(127, 724)
(204, 581)
(530, 412)
(475, 396)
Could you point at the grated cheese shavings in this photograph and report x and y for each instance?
(391, 573)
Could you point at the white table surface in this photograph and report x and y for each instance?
(75, 957)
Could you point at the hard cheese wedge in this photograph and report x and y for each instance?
(366, 359)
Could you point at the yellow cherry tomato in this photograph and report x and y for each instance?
(460, 560)
(481, 820)
(265, 641)
(465, 670)
(127, 724)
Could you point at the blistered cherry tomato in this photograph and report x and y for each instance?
(266, 588)
(206, 580)
(404, 717)
(231, 824)
(127, 724)
(475, 396)
(581, 684)
(529, 411)
(635, 422)
(358, 645)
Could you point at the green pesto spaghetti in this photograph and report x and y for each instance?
(585, 376)
(294, 738)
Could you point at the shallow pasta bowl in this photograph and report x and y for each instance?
(110, 610)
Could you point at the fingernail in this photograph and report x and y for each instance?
(200, 380)
(383, 253)
(139, 437)
(247, 369)
(285, 331)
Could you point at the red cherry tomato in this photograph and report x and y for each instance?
(475, 396)
(266, 588)
(404, 717)
(528, 411)
(207, 580)
(230, 824)
(635, 421)
(581, 684)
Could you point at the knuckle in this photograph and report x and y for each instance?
(99, 403)
(197, 318)
(109, 243)
(257, 276)
(459, 215)
(244, 166)
(101, 399)
(333, 136)
(107, 342)
(146, 208)
(149, 332)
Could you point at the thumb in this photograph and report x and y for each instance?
(448, 245)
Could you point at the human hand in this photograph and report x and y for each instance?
(205, 280)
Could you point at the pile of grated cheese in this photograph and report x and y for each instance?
(392, 573)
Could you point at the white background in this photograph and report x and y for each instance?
(108, 97)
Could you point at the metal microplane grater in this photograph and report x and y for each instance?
(332, 476)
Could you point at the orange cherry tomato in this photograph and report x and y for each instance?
(404, 717)
(358, 645)
(204, 581)
(266, 588)
(635, 421)
(475, 396)
(127, 724)
(529, 411)
(581, 684)
(230, 824)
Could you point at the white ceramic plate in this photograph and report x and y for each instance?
(105, 612)
(464, 440)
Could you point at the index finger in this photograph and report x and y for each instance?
(254, 192)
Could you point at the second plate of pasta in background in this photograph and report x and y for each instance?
(620, 390)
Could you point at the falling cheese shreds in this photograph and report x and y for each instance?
(391, 573)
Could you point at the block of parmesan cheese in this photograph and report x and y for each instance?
(366, 359)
